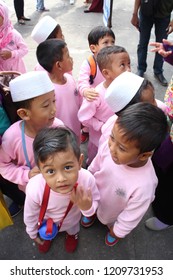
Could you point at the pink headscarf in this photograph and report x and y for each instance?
(6, 28)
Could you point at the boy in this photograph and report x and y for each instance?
(53, 55)
(112, 61)
(57, 154)
(123, 169)
(33, 94)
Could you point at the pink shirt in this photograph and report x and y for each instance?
(125, 192)
(19, 49)
(67, 104)
(94, 114)
(84, 75)
(57, 203)
(13, 166)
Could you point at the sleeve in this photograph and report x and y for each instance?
(86, 114)
(95, 197)
(95, 164)
(31, 211)
(22, 48)
(83, 80)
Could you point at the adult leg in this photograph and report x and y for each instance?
(40, 5)
(19, 8)
(145, 25)
(160, 32)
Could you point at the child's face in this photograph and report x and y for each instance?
(1, 20)
(102, 43)
(61, 170)
(42, 111)
(121, 150)
(147, 95)
(67, 63)
(120, 64)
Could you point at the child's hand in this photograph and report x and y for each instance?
(82, 198)
(34, 171)
(39, 241)
(90, 94)
(5, 54)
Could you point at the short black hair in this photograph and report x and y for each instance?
(145, 123)
(49, 52)
(98, 33)
(51, 140)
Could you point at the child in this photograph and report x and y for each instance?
(123, 169)
(33, 94)
(46, 28)
(98, 38)
(139, 90)
(53, 56)
(12, 45)
(112, 61)
(58, 157)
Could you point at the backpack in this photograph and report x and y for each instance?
(149, 7)
(93, 68)
(7, 103)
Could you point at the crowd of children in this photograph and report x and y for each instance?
(40, 158)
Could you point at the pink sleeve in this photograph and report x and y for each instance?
(86, 114)
(83, 80)
(21, 47)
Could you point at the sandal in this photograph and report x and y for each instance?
(21, 21)
(110, 240)
(25, 18)
(88, 221)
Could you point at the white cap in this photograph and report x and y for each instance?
(43, 29)
(30, 85)
(122, 90)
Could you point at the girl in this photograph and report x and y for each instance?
(12, 45)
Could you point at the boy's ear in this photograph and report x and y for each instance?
(93, 48)
(81, 160)
(105, 73)
(58, 65)
(145, 156)
(23, 114)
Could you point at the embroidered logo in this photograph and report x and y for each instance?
(120, 192)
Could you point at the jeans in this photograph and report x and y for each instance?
(40, 5)
(146, 24)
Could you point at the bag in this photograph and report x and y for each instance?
(93, 68)
(8, 105)
(4, 121)
(149, 7)
(5, 218)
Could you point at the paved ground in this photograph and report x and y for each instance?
(141, 244)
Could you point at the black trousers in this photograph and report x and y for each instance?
(11, 190)
(19, 8)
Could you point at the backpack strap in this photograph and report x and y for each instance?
(44, 204)
(93, 68)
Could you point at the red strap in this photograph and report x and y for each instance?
(44, 204)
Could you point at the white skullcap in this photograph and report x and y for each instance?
(30, 85)
(122, 90)
(43, 29)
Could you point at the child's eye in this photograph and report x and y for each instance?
(68, 167)
(50, 171)
(46, 105)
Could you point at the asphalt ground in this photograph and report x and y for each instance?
(141, 244)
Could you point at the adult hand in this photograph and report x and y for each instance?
(135, 21)
(159, 47)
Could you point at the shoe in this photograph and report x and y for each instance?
(21, 21)
(88, 221)
(84, 137)
(43, 10)
(161, 79)
(87, 11)
(15, 209)
(110, 240)
(155, 224)
(45, 247)
(140, 73)
(25, 18)
(71, 242)
(71, 2)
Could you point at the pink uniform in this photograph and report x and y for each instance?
(125, 192)
(94, 114)
(57, 203)
(13, 165)
(19, 49)
(67, 104)
(84, 76)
